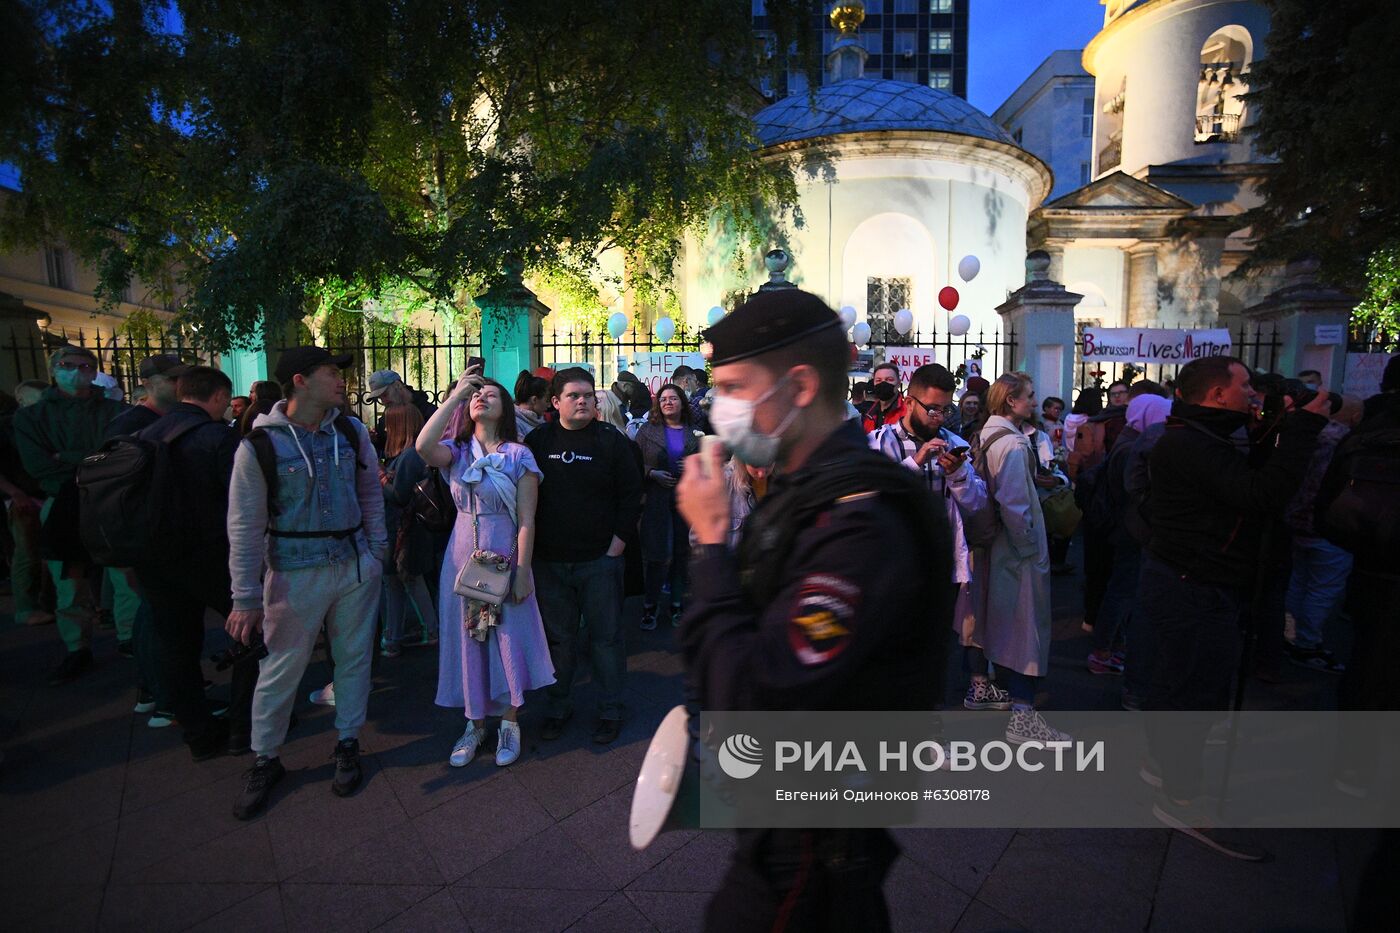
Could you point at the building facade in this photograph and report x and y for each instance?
(1052, 116)
(914, 41)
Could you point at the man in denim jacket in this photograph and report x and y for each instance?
(322, 541)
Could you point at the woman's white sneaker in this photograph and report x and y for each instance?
(507, 743)
(325, 696)
(1027, 725)
(465, 749)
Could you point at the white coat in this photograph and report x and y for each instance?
(1014, 583)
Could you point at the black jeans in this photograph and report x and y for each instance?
(1198, 643)
(1098, 567)
(178, 602)
(804, 879)
(589, 592)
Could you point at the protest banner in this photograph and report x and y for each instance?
(654, 369)
(1152, 345)
(909, 359)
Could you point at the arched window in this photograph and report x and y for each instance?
(1223, 82)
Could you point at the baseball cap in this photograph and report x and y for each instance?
(163, 364)
(301, 360)
(380, 381)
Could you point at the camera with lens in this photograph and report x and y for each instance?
(1276, 391)
(239, 653)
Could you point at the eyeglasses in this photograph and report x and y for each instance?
(945, 411)
(70, 366)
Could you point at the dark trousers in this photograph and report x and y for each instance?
(804, 879)
(1098, 567)
(588, 592)
(1369, 681)
(672, 570)
(1198, 645)
(1120, 592)
(178, 603)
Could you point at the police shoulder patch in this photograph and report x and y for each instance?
(819, 627)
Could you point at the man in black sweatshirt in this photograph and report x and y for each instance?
(590, 496)
(1208, 509)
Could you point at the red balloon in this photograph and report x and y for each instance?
(948, 297)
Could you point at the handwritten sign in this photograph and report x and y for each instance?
(1363, 376)
(909, 359)
(1152, 345)
(655, 369)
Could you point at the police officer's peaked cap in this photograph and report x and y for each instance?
(767, 321)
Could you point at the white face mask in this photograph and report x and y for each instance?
(732, 419)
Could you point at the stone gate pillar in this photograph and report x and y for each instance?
(1311, 320)
(1041, 313)
(511, 317)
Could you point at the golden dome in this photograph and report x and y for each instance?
(847, 17)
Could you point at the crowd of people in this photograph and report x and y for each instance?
(505, 527)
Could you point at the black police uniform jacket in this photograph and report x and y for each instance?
(838, 597)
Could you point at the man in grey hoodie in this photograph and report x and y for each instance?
(319, 527)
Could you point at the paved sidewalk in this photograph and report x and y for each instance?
(109, 825)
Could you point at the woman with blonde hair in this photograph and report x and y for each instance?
(610, 410)
(1015, 584)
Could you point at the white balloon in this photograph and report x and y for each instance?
(968, 267)
(861, 335)
(665, 330)
(617, 325)
(848, 316)
(959, 325)
(903, 321)
(715, 316)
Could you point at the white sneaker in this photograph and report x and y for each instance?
(507, 743)
(1027, 725)
(465, 749)
(325, 696)
(160, 719)
(983, 694)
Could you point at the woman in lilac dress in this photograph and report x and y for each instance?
(488, 659)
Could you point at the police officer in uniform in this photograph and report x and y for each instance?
(824, 605)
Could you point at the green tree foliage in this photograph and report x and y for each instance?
(268, 159)
(1324, 90)
(1378, 315)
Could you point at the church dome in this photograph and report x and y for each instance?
(860, 105)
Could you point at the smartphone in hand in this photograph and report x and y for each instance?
(477, 361)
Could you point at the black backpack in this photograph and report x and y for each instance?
(432, 507)
(267, 456)
(125, 499)
(1358, 504)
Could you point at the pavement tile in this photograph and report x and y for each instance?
(549, 859)
(570, 780)
(616, 913)
(511, 910)
(28, 905)
(979, 918)
(82, 858)
(1298, 890)
(421, 778)
(261, 913)
(36, 815)
(482, 825)
(1120, 859)
(600, 829)
(435, 914)
(78, 909)
(348, 908)
(175, 826)
(672, 911)
(397, 856)
(315, 825)
(920, 900)
(964, 857)
(1055, 887)
(172, 772)
(699, 864)
(244, 855)
(152, 908)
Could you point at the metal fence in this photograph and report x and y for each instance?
(1258, 348)
(984, 353)
(604, 356)
(119, 353)
(426, 359)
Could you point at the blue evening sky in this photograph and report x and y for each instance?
(1007, 39)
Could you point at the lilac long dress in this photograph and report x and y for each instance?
(485, 678)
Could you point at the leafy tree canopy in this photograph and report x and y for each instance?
(266, 158)
(1324, 89)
